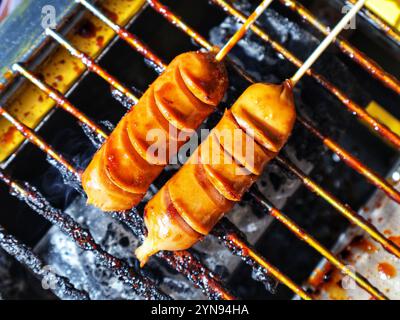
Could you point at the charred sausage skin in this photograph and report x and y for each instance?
(221, 170)
(180, 99)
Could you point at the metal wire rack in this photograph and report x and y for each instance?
(185, 262)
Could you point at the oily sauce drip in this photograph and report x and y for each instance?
(386, 270)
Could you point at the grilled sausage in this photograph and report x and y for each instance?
(178, 101)
(221, 170)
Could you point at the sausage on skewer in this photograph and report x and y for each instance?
(178, 101)
(221, 170)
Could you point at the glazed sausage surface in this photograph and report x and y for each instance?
(221, 170)
(178, 101)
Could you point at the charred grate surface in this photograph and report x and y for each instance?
(61, 286)
(83, 238)
(183, 261)
(226, 232)
(135, 223)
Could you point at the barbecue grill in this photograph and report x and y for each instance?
(57, 94)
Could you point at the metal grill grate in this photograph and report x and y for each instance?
(185, 262)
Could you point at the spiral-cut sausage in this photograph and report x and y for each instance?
(221, 170)
(138, 149)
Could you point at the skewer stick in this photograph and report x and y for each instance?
(327, 41)
(242, 31)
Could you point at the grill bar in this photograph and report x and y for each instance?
(39, 142)
(92, 65)
(60, 100)
(61, 286)
(354, 54)
(347, 212)
(124, 34)
(383, 131)
(228, 234)
(392, 33)
(302, 235)
(352, 161)
(82, 237)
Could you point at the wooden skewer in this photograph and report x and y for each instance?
(327, 41)
(242, 31)
(314, 56)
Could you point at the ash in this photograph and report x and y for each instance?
(66, 259)
(12, 282)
